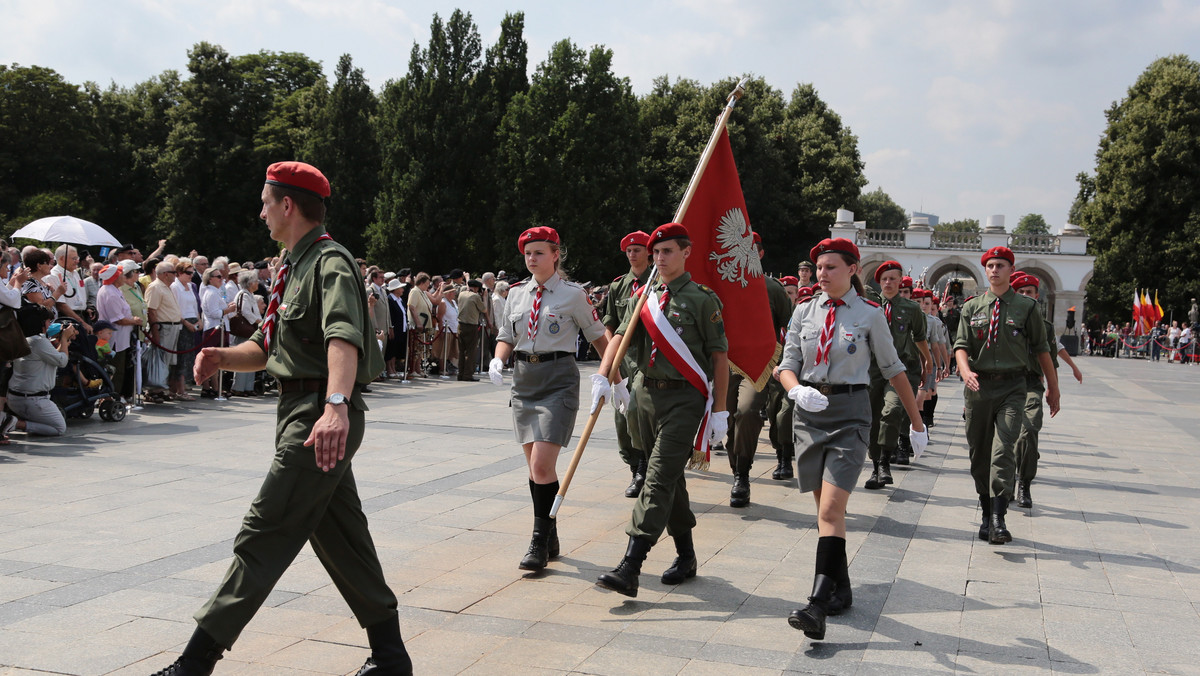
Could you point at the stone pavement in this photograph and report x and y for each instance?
(112, 537)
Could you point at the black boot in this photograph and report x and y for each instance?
(1023, 497)
(903, 449)
(811, 618)
(873, 482)
(778, 473)
(985, 506)
(199, 658)
(789, 454)
(639, 480)
(998, 533)
(885, 471)
(843, 598)
(624, 578)
(739, 495)
(539, 545)
(684, 566)
(388, 654)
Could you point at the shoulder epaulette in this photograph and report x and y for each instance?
(515, 285)
(870, 302)
(617, 278)
(805, 299)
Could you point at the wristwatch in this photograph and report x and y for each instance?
(337, 399)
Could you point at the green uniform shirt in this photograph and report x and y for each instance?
(1035, 367)
(1021, 334)
(620, 299)
(908, 328)
(323, 298)
(694, 311)
(781, 305)
(470, 308)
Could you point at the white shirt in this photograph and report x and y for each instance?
(450, 317)
(212, 305)
(76, 296)
(186, 299)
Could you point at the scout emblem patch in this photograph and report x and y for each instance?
(553, 328)
(851, 348)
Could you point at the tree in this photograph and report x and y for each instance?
(1144, 216)
(961, 225)
(1087, 190)
(1032, 224)
(880, 212)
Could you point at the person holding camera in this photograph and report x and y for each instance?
(34, 375)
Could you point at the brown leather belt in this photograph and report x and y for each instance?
(289, 385)
(536, 358)
(829, 388)
(652, 384)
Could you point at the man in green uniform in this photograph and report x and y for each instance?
(316, 339)
(888, 418)
(996, 336)
(669, 409)
(746, 403)
(779, 405)
(618, 303)
(471, 317)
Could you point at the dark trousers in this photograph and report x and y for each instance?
(995, 416)
(744, 402)
(468, 346)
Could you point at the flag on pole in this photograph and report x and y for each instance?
(725, 259)
(1137, 311)
(1147, 313)
(1158, 313)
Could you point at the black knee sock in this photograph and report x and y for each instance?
(842, 572)
(543, 498)
(827, 549)
(932, 404)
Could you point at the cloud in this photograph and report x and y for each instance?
(964, 111)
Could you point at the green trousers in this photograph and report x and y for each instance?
(299, 503)
(893, 419)
(995, 416)
(875, 392)
(670, 420)
(779, 412)
(1027, 442)
(744, 404)
(629, 443)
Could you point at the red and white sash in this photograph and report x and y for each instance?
(672, 346)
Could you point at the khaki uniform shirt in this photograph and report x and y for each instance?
(470, 308)
(161, 299)
(565, 312)
(694, 311)
(1021, 333)
(620, 299)
(323, 298)
(860, 332)
(936, 330)
(1035, 366)
(781, 305)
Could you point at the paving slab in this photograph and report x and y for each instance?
(113, 535)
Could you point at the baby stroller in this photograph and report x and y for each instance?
(84, 382)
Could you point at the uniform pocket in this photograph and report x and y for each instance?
(293, 311)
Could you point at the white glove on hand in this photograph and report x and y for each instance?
(496, 372)
(919, 441)
(600, 388)
(718, 426)
(808, 398)
(620, 396)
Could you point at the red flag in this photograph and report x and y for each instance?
(1137, 311)
(724, 258)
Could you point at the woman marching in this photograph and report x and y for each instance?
(542, 318)
(830, 342)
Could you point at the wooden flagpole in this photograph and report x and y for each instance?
(614, 376)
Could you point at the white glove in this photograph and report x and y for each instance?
(600, 389)
(718, 426)
(620, 396)
(919, 441)
(808, 398)
(496, 371)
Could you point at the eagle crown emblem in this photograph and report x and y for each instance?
(737, 261)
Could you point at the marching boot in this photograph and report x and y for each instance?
(985, 506)
(811, 618)
(885, 471)
(539, 545)
(903, 449)
(624, 578)
(739, 495)
(873, 482)
(1023, 497)
(199, 658)
(789, 454)
(388, 654)
(684, 565)
(552, 548)
(778, 473)
(843, 598)
(639, 480)
(998, 533)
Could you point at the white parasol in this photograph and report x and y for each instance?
(67, 229)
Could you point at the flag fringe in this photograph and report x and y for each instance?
(760, 381)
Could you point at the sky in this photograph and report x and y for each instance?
(963, 109)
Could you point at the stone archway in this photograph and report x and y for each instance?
(951, 267)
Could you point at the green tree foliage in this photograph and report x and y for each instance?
(1144, 216)
(879, 211)
(1032, 224)
(1087, 190)
(961, 225)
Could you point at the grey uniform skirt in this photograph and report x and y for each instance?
(832, 445)
(545, 399)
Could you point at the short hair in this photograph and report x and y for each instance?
(197, 259)
(421, 279)
(220, 262)
(164, 267)
(151, 264)
(487, 275)
(182, 266)
(35, 258)
(246, 277)
(63, 251)
(311, 207)
(204, 278)
(501, 287)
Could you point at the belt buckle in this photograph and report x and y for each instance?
(825, 389)
(534, 359)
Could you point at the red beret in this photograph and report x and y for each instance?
(937, 300)
(906, 282)
(804, 291)
(839, 245)
(1020, 280)
(538, 234)
(887, 265)
(997, 252)
(757, 238)
(789, 281)
(636, 237)
(815, 287)
(668, 231)
(299, 176)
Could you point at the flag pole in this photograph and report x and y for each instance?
(614, 376)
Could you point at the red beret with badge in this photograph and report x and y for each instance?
(541, 233)
(1020, 280)
(668, 231)
(299, 176)
(838, 245)
(804, 292)
(637, 237)
(998, 252)
(789, 281)
(906, 282)
(887, 265)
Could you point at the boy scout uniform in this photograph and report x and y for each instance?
(907, 328)
(1027, 442)
(323, 299)
(995, 414)
(618, 304)
(668, 408)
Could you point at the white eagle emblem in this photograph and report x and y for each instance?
(738, 259)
